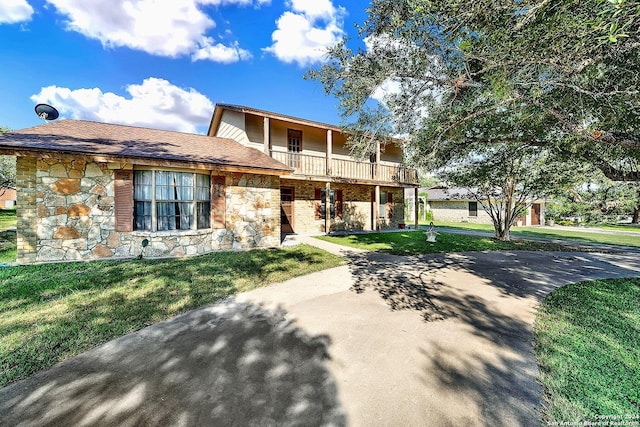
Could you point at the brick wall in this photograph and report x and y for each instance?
(356, 207)
(7, 197)
(26, 209)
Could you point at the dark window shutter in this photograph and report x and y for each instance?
(389, 205)
(339, 203)
(124, 200)
(318, 204)
(218, 202)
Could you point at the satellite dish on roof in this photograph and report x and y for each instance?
(46, 112)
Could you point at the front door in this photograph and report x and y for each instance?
(287, 197)
(535, 214)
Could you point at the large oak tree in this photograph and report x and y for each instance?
(450, 74)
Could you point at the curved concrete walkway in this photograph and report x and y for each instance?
(434, 340)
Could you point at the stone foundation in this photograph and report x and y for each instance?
(66, 213)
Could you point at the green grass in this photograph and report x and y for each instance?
(7, 246)
(7, 238)
(51, 312)
(587, 341)
(7, 218)
(415, 243)
(551, 233)
(627, 227)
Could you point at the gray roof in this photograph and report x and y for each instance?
(131, 143)
(445, 193)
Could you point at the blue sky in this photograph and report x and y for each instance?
(166, 63)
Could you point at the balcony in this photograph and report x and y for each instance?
(305, 164)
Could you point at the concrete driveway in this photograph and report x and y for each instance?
(437, 340)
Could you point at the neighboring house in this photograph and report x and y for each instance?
(329, 189)
(458, 205)
(7, 197)
(89, 190)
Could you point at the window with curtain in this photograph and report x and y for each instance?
(167, 200)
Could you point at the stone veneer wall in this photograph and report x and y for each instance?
(253, 210)
(66, 212)
(356, 207)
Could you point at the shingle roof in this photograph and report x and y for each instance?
(445, 193)
(129, 142)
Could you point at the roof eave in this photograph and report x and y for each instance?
(147, 161)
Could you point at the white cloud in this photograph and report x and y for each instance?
(156, 103)
(305, 32)
(164, 28)
(314, 8)
(13, 11)
(220, 53)
(236, 2)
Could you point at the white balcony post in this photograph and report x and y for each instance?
(376, 209)
(416, 207)
(378, 166)
(329, 151)
(267, 136)
(327, 208)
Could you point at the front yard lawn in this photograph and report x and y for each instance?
(7, 238)
(587, 341)
(55, 311)
(415, 243)
(554, 233)
(7, 246)
(7, 219)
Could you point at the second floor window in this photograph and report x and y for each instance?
(167, 200)
(294, 147)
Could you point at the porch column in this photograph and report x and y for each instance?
(327, 207)
(376, 209)
(329, 150)
(416, 210)
(267, 136)
(378, 169)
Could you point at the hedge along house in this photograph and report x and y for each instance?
(88, 190)
(329, 189)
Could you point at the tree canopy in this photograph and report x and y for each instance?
(7, 169)
(449, 74)
(508, 178)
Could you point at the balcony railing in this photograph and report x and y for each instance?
(305, 164)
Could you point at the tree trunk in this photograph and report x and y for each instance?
(636, 215)
(504, 235)
(502, 232)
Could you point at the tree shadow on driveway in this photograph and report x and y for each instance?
(478, 309)
(229, 364)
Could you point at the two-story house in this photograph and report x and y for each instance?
(329, 189)
(88, 190)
